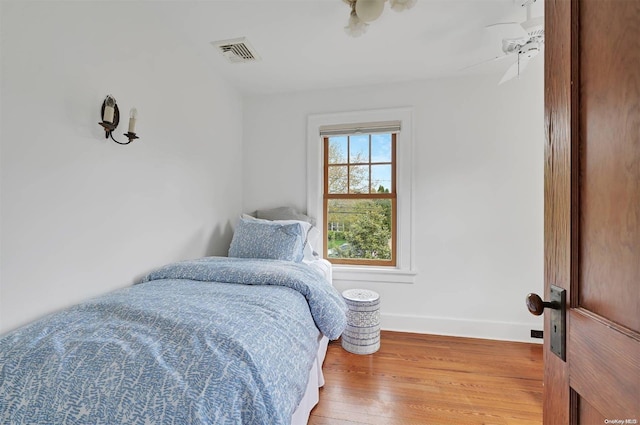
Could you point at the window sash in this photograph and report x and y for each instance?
(392, 195)
(348, 164)
(363, 261)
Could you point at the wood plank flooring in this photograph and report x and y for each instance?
(417, 379)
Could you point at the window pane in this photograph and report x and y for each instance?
(381, 148)
(338, 150)
(359, 179)
(338, 178)
(359, 149)
(359, 229)
(381, 178)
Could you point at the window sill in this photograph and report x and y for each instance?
(373, 274)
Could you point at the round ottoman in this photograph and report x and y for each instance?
(362, 334)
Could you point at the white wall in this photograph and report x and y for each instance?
(81, 215)
(478, 199)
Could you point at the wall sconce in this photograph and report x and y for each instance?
(111, 118)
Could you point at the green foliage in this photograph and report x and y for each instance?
(335, 235)
(340, 211)
(385, 204)
(369, 234)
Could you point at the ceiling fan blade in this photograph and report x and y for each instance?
(508, 30)
(524, 61)
(511, 72)
(533, 23)
(497, 58)
(515, 70)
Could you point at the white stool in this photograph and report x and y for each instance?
(362, 334)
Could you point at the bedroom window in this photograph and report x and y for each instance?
(359, 197)
(359, 190)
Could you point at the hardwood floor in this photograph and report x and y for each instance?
(417, 379)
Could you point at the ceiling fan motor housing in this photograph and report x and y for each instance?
(530, 49)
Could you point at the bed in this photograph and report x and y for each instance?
(215, 340)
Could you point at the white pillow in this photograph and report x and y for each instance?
(283, 213)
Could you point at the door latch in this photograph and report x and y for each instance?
(557, 317)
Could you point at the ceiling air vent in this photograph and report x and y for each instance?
(237, 50)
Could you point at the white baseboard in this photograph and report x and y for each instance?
(505, 331)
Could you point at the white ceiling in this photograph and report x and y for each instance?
(303, 44)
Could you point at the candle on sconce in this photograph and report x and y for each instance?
(109, 108)
(111, 119)
(133, 116)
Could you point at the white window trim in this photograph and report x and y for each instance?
(404, 271)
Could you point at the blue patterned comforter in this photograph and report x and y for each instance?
(209, 341)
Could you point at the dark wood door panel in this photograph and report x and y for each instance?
(604, 365)
(587, 414)
(609, 99)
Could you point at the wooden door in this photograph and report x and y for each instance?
(592, 208)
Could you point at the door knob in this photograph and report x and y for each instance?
(557, 317)
(536, 306)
